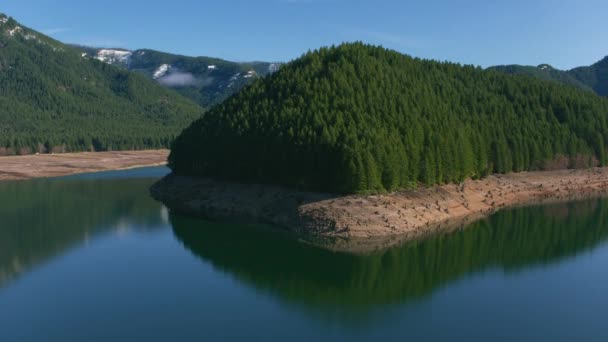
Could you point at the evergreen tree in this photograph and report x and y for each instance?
(358, 118)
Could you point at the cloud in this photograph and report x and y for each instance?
(55, 30)
(178, 79)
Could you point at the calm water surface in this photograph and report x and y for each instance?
(94, 258)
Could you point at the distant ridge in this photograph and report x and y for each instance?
(594, 77)
(206, 80)
(55, 99)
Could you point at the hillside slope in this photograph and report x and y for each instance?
(358, 118)
(52, 99)
(594, 77)
(205, 80)
(544, 72)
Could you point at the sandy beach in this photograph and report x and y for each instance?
(54, 165)
(364, 223)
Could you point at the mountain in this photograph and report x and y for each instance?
(205, 80)
(359, 118)
(52, 99)
(594, 77)
(543, 72)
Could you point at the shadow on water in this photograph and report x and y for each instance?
(44, 218)
(316, 278)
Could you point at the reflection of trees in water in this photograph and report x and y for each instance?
(43, 218)
(315, 277)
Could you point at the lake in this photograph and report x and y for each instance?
(94, 258)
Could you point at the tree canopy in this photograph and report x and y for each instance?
(357, 118)
(52, 99)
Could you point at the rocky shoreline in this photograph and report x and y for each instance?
(363, 223)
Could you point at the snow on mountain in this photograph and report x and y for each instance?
(233, 79)
(274, 67)
(161, 71)
(112, 56)
(213, 79)
(15, 30)
(18, 31)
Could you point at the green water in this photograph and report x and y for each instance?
(94, 258)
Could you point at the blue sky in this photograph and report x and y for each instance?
(564, 33)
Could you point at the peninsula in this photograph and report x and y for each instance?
(360, 141)
(364, 223)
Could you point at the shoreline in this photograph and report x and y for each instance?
(65, 164)
(364, 223)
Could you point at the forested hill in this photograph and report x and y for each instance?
(52, 99)
(205, 80)
(543, 72)
(358, 118)
(594, 77)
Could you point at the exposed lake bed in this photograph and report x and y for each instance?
(365, 223)
(63, 164)
(121, 266)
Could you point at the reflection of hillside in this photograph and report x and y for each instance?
(307, 275)
(43, 218)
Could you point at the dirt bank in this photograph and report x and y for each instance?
(364, 223)
(53, 165)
